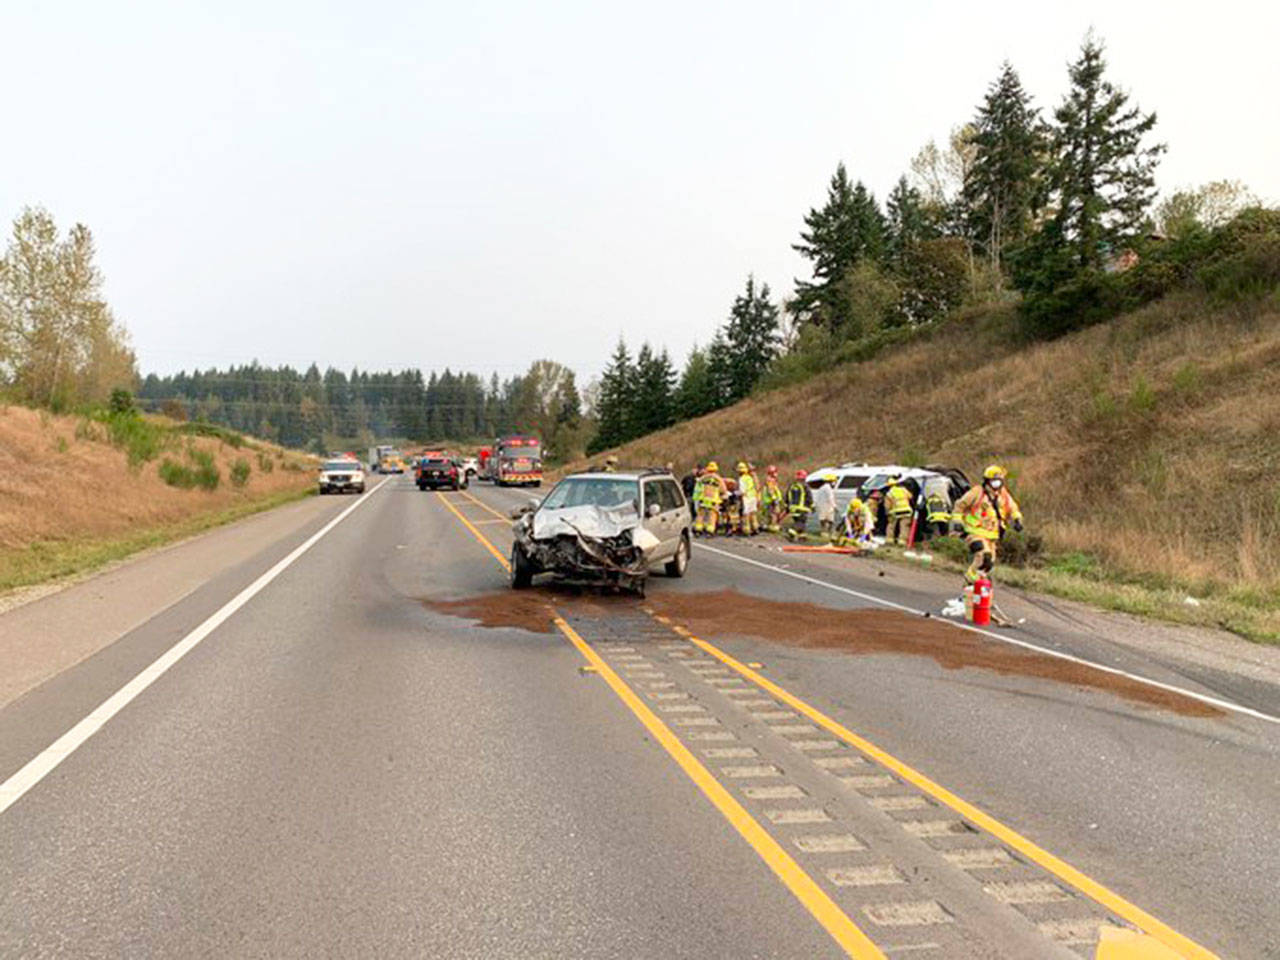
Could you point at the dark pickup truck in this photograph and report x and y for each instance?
(440, 473)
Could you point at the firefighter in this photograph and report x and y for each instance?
(824, 502)
(771, 500)
(897, 504)
(611, 463)
(711, 495)
(799, 501)
(731, 507)
(937, 505)
(750, 491)
(858, 523)
(982, 515)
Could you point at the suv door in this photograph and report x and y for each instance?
(660, 522)
(673, 501)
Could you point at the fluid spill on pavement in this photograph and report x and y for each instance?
(527, 609)
(866, 631)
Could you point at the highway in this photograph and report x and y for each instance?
(354, 740)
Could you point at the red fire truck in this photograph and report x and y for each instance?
(513, 461)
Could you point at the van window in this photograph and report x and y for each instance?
(851, 482)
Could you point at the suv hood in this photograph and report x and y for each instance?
(589, 520)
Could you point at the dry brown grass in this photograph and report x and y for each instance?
(1150, 443)
(58, 487)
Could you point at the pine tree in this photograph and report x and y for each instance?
(1102, 175)
(752, 338)
(907, 221)
(720, 370)
(850, 227)
(696, 393)
(653, 402)
(1004, 187)
(617, 393)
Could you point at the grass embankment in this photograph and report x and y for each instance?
(80, 492)
(1145, 451)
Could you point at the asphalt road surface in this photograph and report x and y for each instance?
(359, 742)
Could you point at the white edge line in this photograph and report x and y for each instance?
(41, 765)
(1048, 651)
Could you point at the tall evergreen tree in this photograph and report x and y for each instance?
(850, 227)
(1102, 175)
(1004, 186)
(617, 396)
(907, 222)
(752, 338)
(720, 370)
(696, 394)
(653, 403)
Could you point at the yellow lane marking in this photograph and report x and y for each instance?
(1116, 944)
(480, 503)
(852, 940)
(843, 930)
(477, 534)
(1121, 907)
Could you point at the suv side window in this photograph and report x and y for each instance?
(652, 494)
(672, 495)
(851, 482)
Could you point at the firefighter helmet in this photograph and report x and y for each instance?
(995, 472)
(713, 467)
(801, 475)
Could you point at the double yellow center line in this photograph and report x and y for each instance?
(854, 942)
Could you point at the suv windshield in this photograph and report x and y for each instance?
(436, 464)
(597, 491)
(334, 466)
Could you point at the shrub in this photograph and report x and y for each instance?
(207, 473)
(140, 439)
(201, 472)
(176, 474)
(239, 472)
(121, 401)
(265, 463)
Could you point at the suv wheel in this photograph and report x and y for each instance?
(521, 569)
(678, 564)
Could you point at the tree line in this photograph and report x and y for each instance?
(326, 410)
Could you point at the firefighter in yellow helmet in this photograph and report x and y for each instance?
(710, 496)
(611, 463)
(982, 515)
(749, 491)
(898, 506)
(771, 500)
(799, 501)
(858, 523)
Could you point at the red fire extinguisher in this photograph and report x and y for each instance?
(981, 602)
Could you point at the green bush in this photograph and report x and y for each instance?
(207, 473)
(239, 472)
(176, 474)
(200, 471)
(265, 463)
(121, 401)
(140, 439)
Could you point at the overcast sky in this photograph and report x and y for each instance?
(478, 184)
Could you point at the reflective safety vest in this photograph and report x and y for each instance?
(897, 500)
(937, 508)
(711, 491)
(772, 492)
(747, 485)
(986, 516)
(858, 517)
(799, 498)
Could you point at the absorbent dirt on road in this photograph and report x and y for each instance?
(867, 631)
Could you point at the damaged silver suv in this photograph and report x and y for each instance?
(606, 528)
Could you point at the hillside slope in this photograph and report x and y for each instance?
(69, 498)
(1147, 448)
